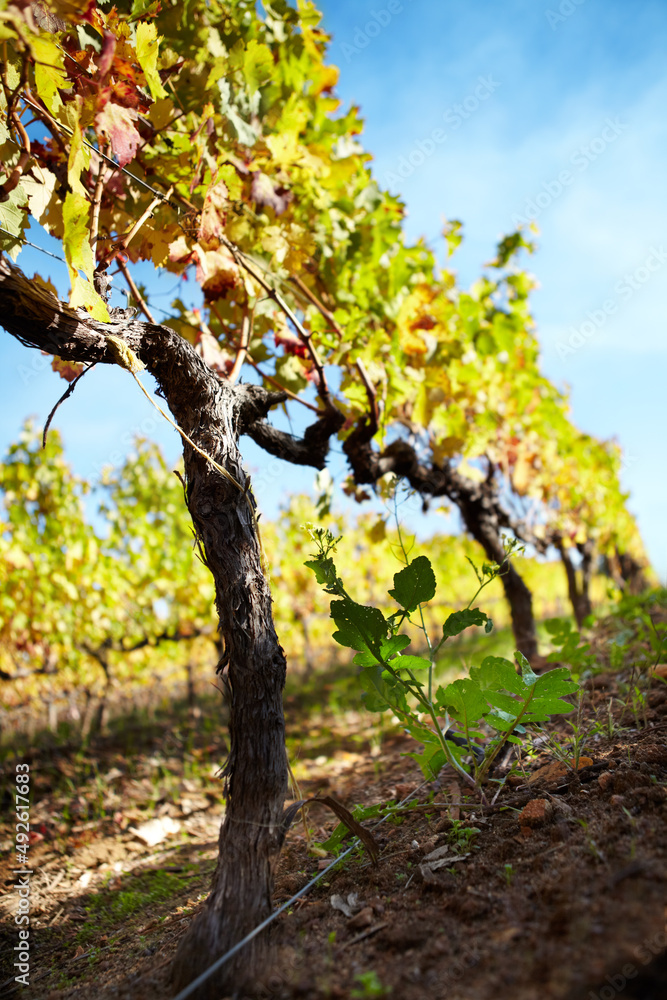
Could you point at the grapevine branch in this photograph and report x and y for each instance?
(121, 244)
(37, 319)
(68, 392)
(242, 349)
(56, 126)
(304, 335)
(15, 176)
(263, 374)
(97, 199)
(310, 295)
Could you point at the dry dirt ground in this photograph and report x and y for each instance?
(560, 894)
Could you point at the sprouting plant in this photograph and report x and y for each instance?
(494, 694)
(461, 836)
(606, 724)
(568, 748)
(508, 873)
(635, 699)
(369, 985)
(331, 940)
(568, 646)
(590, 842)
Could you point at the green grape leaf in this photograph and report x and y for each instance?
(410, 663)
(387, 649)
(458, 621)
(358, 627)
(324, 569)
(555, 683)
(415, 584)
(374, 702)
(431, 759)
(527, 674)
(463, 700)
(497, 673)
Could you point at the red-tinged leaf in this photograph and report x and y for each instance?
(105, 61)
(264, 191)
(208, 348)
(214, 215)
(67, 369)
(290, 343)
(217, 272)
(314, 376)
(126, 70)
(117, 123)
(127, 94)
(426, 322)
(46, 19)
(180, 252)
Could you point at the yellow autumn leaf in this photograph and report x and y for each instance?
(147, 52)
(78, 251)
(50, 76)
(471, 472)
(61, 581)
(446, 448)
(39, 186)
(17, 558)
(79, 256)
(521, 475)
(78, 159)
(285, 148)
(378, 531)
(84, 296)
(257, 64)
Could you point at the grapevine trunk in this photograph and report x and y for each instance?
(252, 671)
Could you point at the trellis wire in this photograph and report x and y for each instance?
(196, 983)
(27, 243)
(65, 130)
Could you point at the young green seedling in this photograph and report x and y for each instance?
(494, 695)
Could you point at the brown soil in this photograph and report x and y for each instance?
(561, 894)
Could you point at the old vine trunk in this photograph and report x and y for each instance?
(253, 670)
(212, 413)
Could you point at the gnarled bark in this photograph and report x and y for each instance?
(578, 588)
(632, 573)
(212, 413)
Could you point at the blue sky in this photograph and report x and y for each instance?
(489, 113)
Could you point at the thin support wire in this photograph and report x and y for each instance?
(196, 983)
(27, 243)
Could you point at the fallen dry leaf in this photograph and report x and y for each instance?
(156, 830)
(349, 907)
(557, 770)
(363, 919)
